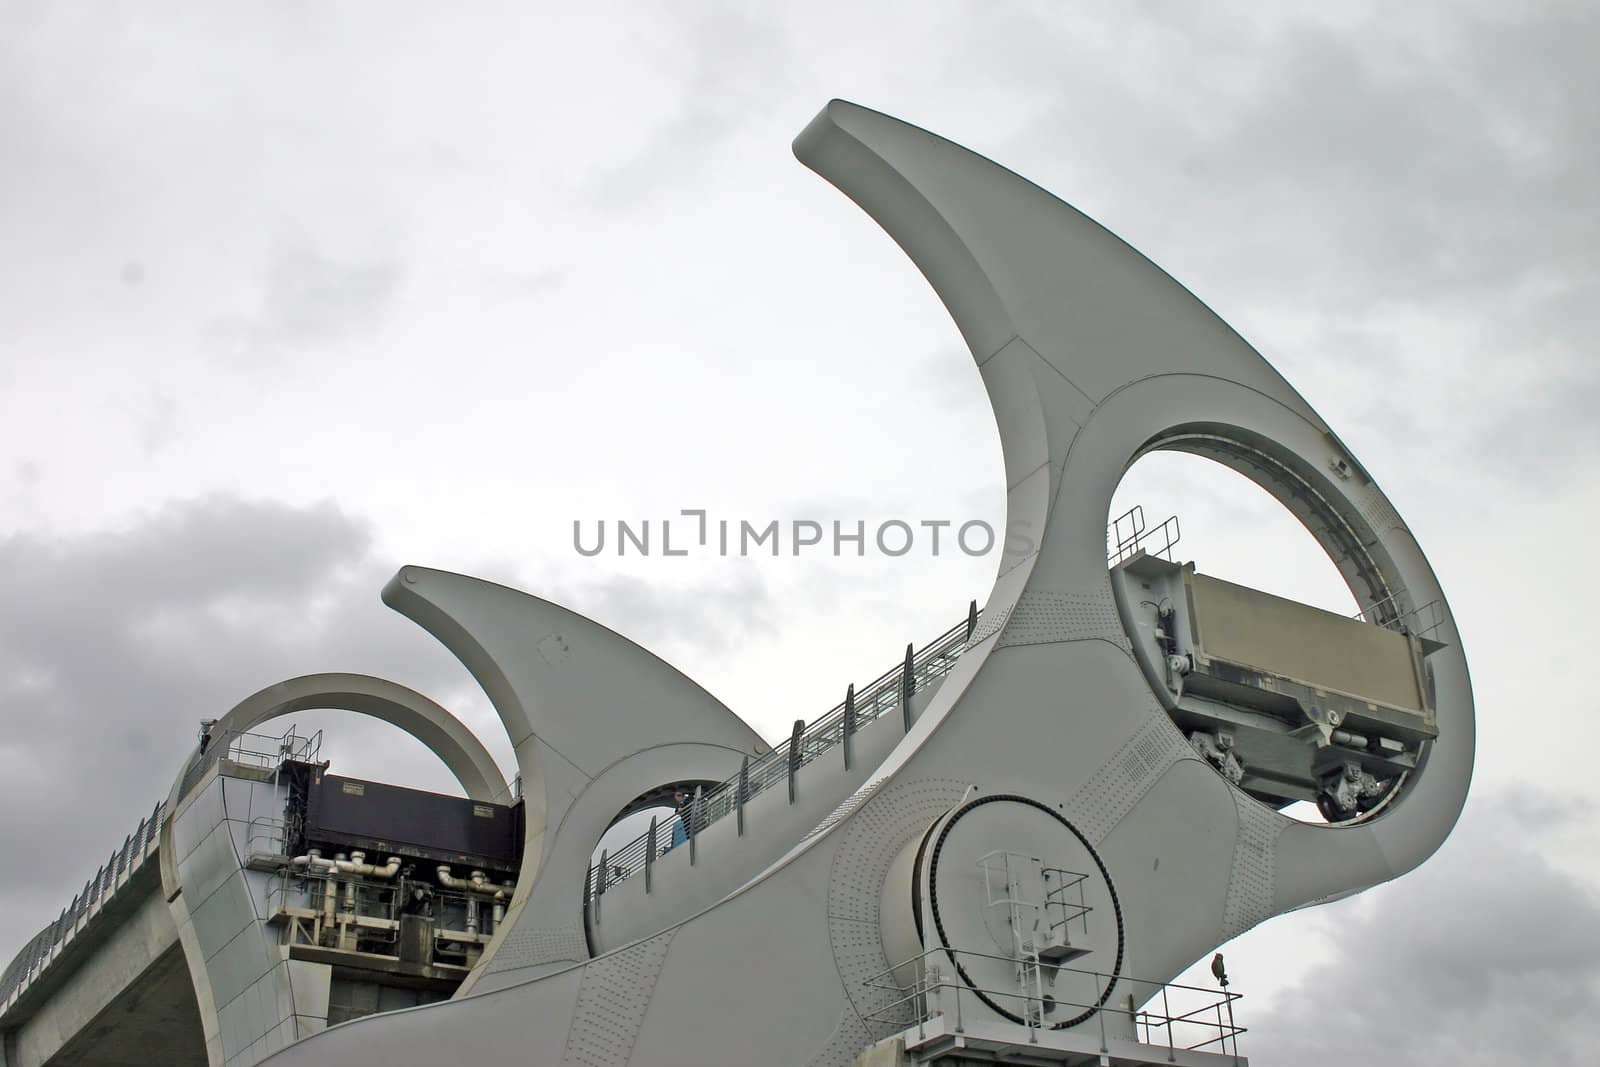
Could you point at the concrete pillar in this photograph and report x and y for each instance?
(888, 1054)
(311, 984)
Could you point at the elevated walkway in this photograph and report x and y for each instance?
(106, 982)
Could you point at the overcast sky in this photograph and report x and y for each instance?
(293, 293)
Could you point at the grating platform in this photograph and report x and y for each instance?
(979, 1041)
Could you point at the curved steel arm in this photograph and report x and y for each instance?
(1092, 356)
(441, 732)
(576, 699)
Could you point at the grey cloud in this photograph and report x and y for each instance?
(735, 54)
(1452, 179)
(158, 422)
(948, 378)
(1420, 178)
(715, 617)
(311, 298)
(524, 285)
(114, 644)
(1404, 158)
(1486, 955)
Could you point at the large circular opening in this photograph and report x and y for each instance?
(1231, 528)
(1246, 625)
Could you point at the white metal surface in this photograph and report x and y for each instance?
(1043, 737)
(1091, 356)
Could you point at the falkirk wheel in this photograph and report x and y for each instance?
(1012, 842)
(1038, 822)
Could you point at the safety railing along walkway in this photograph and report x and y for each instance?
(137, 848)
(1126, 536)
(934, 996)
(890, 691)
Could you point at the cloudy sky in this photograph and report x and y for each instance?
(293, 293)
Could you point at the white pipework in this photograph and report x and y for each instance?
(500, 904)
(330, 902)
(340, 860)
(313, 861)
(357, 864)
(477, 883)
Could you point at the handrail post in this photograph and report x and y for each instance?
(922, 1013)
(972, 619)
(1233, 1031)
(694, 819)
(599, 885)
(650, 854)
(956, 986)
(1166, 1009)
(794, 754)
(908, 685)
(741, 793)
(848, 728)
(1099, 1012)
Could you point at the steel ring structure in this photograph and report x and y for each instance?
(951, 953)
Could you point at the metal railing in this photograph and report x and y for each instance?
(265, 750)
(266, 835)
(1127, 536)
(247, 749)
(878, 698)
(1201, 1020)
(890, 691)
(1422, 621)
(101, 887)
